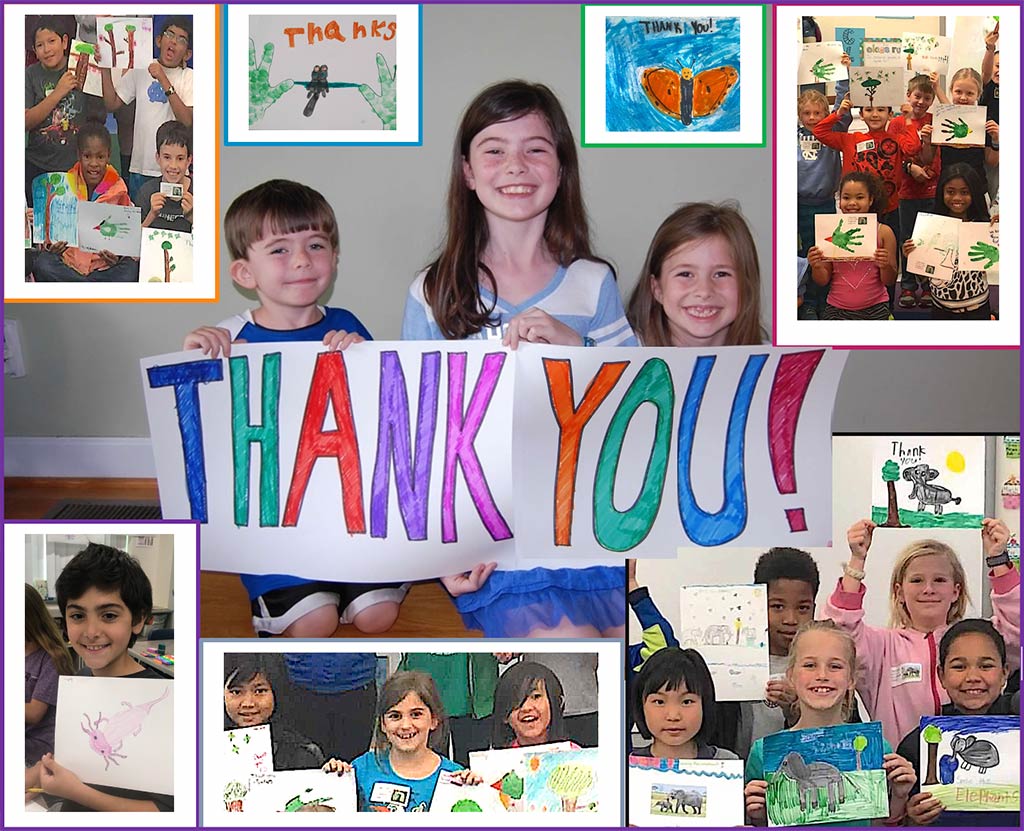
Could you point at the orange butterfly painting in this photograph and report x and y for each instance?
(683, 96)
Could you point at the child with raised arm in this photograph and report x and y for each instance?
(516, 265)
(105, 599)
(283, 240)
(898, 671)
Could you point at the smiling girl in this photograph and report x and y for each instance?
(898, 678)
(701, 283)
(401, 770)
(673, 700)
(528, 707)
(822, 670)
(973, 671)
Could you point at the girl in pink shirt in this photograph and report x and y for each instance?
(858, 289)
(898, 666)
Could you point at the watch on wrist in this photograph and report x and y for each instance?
(1002, 559)
(170, 91)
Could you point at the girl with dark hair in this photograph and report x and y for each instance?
(517, 265)
(400, 771)
(960, 193)
(249, 701)
(529, 706)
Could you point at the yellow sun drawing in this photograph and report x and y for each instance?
(955, 461)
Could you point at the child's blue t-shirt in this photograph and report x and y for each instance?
(379, 788)
(243, 327)
(584, 296)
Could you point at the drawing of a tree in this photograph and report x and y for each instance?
(932, 736)
(466, 805)
(85, 51)
(870, 85)
(109, 29)
(860, 743)
(168, 260)
(891, 475)
(569, 782)
(54, 187)
(130, 40)
(910, 55)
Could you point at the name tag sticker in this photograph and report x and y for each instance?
(866, 146)
(905, 674)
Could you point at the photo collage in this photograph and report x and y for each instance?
(455, 408)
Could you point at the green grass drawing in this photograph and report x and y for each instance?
(867, 796)
(977, 797)
(926, 519)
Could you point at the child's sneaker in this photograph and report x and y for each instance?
(925, 301)
(907, 299)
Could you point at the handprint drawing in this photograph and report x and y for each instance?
(846, 240)
(955, 129)
(384, 103)
(983, 251)
(261, 94)
(822, 71)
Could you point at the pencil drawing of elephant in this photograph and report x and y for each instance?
(926, 494)
(718, 635)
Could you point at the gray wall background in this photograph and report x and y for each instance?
(83, 373)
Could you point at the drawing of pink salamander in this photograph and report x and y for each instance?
(128, 722)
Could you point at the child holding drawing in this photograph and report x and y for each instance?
(959, 193)
(518, 263)
(283, 240)
(701, 283)
(822, 671)
(92, 179)
(105, 599)
(858, 287)
(400, 771)
(973, 672)
(46, 659)
(928, 593)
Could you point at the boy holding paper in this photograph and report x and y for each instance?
(105, 599)
(92, 179)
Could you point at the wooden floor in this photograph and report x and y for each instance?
(427, 612)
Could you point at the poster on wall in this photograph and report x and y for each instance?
(679, 792)
(928, 482)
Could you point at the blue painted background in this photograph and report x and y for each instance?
(829, 744)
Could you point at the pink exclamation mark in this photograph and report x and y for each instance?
(792, 377)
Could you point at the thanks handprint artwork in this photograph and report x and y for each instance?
(958, 124)
(821, 62)
(846, 236)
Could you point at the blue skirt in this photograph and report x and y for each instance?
(513, 603)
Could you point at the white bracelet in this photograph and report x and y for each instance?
(855, 573)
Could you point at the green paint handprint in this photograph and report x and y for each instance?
(956, 129)
(983, 251)
(109, 229)
(845, 239)
(261, 93)
(822, 71)
(384, 104)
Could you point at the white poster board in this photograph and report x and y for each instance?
(846, 236)
(877, 86)
(728, 626)
(117, 732)
(928, 481)
(958, 125)
(244, 752)
(114, 228)
(329, 54)
(451, 797)
(124, 42)
(979, 242)
(301, 791)
(935, 247)
(166, 256)
(821, 63)
(680, 792)
(926, 53)
(85, 52)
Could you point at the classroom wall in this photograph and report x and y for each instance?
(852, 463)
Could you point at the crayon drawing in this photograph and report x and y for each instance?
(316, 72)
(672, 73)
(82, 61)
(958, 124)
(821, 63)
(876, 86)
(113, 228)
(562, 782)
(825, 775)
(928, 481)
(117, 731)
(166, 256)
(846, 236)
(504, 771)
(935, 246)
(699, 792)
(300, 791)
(451, 797)
(926, 53)
(978, 243)
(732, 637)
(124, 42)
(971, 763)
(245, 752)
(852, 38)
(54, 209)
